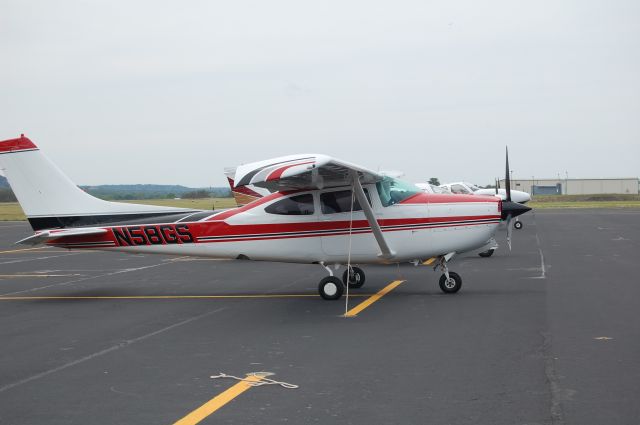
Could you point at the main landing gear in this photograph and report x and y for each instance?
(332, 288)
(518, 224)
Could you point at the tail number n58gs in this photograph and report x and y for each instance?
(152, 235)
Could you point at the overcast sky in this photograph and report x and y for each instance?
(172, 92)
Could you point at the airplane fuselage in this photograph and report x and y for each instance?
(419, 227)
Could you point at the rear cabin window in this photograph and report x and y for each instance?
(295, 205)
(339, 202)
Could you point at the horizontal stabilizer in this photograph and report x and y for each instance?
(43, 237)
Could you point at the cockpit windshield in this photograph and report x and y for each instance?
(392, 191)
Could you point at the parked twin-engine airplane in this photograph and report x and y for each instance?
(322, 210)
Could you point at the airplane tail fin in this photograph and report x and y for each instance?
(244, 194)
(51, 200)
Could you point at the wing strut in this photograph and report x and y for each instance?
(385, 251)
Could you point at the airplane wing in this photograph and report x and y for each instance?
(43, 237)
(311, 171)
(314, 171)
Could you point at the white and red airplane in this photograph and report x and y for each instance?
(322, 211)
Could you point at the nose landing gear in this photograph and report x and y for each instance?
(450, 282)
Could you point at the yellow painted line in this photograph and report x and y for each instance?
(36, 275)
(167, 297)
(22, 250)
(373, 298)
(218, 401)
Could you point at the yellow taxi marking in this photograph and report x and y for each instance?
(165, 297)
(22, 250)
(373, 298)
(33, 251)
(36, 275)
(218, 401)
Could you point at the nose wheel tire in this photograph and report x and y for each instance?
(518, 225)
(452, 285)
(356, 278)
(331, 288)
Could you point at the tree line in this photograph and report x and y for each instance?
(114, 194)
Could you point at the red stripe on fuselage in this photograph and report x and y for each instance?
(257, 202)
(248, 232)
(218, 228)
(444, 198)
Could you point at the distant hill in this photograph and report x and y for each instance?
(132, 191)
(151, 191)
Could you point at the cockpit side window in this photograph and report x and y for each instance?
(295, 205)
(392, 191)
(340, 201)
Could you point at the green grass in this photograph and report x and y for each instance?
(584, 204)
(585, 201)
(11, 211)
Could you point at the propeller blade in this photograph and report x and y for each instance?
(509, 231)
(507, 180)
(510, 210)
(497, 186)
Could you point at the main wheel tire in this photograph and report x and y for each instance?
(452, 285)
(331, 288)
(487, 253)
(356, 280)
(518, 225)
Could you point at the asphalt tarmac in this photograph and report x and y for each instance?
(545, 334)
